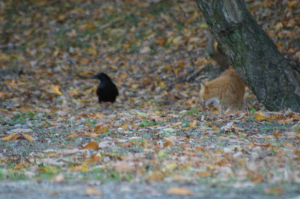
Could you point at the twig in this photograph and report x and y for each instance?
(190, 77)
(202, 68)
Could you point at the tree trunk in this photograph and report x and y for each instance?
(272, 78)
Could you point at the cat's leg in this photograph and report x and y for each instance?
(221, 110)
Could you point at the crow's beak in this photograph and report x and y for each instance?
(94, 77)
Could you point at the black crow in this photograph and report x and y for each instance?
(107, 90)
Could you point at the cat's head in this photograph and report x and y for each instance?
(204, 90)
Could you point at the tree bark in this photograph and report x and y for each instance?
(272, 78)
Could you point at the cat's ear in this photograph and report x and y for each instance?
(201, 86)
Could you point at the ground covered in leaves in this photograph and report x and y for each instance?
(157, 140)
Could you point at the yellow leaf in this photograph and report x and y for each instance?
(19, 166)
(134, 126)
(170, 167)
(179, 191)
(84, 168)
(193, 124)
(125, 126)
(28, 137)
(4, 57)
(11, 137)
(74, 92)
(176, 124)
(287, 121)
(99, 116)
(156, 176)
(162, 84)
(215, 111)
(92, 191)
(161, 154)
(55, 89)
(168, 67)
(105, 130)
(278, 26)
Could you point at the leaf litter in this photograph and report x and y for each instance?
(53, 128)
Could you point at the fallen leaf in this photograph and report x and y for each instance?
(92, 191)
(170, 167)
(122, 166)
(203, 174)
(21, 131)
(266, 145)
(168, 144)
(28, 137)
(92, 145)
(257, 179)
(179, 191)
(275, 191)
(276, 134)
(156, 176)
(193, 124)
(59, 178)
(55, 89)
(11, 137)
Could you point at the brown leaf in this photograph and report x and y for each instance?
(275, 191)
(72, 136)
(250, 145)
(134, 126)
(105, 130)
(20, 166)
(98, 129)
(287, 121)
(276, 134)
(160, 41)
(125, 126)
(297, 152)
(168, 144)
(257, 179)
(266, 145)
(156, 176)
(218, 151)
(92, 191)
(179, 191)
(122, 166)
(262, 116)
(200, 149)
(193, 124)
(92, 145)
(203, 174)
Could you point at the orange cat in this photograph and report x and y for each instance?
(226, 92)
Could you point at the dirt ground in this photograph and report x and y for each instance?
(131, 190)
